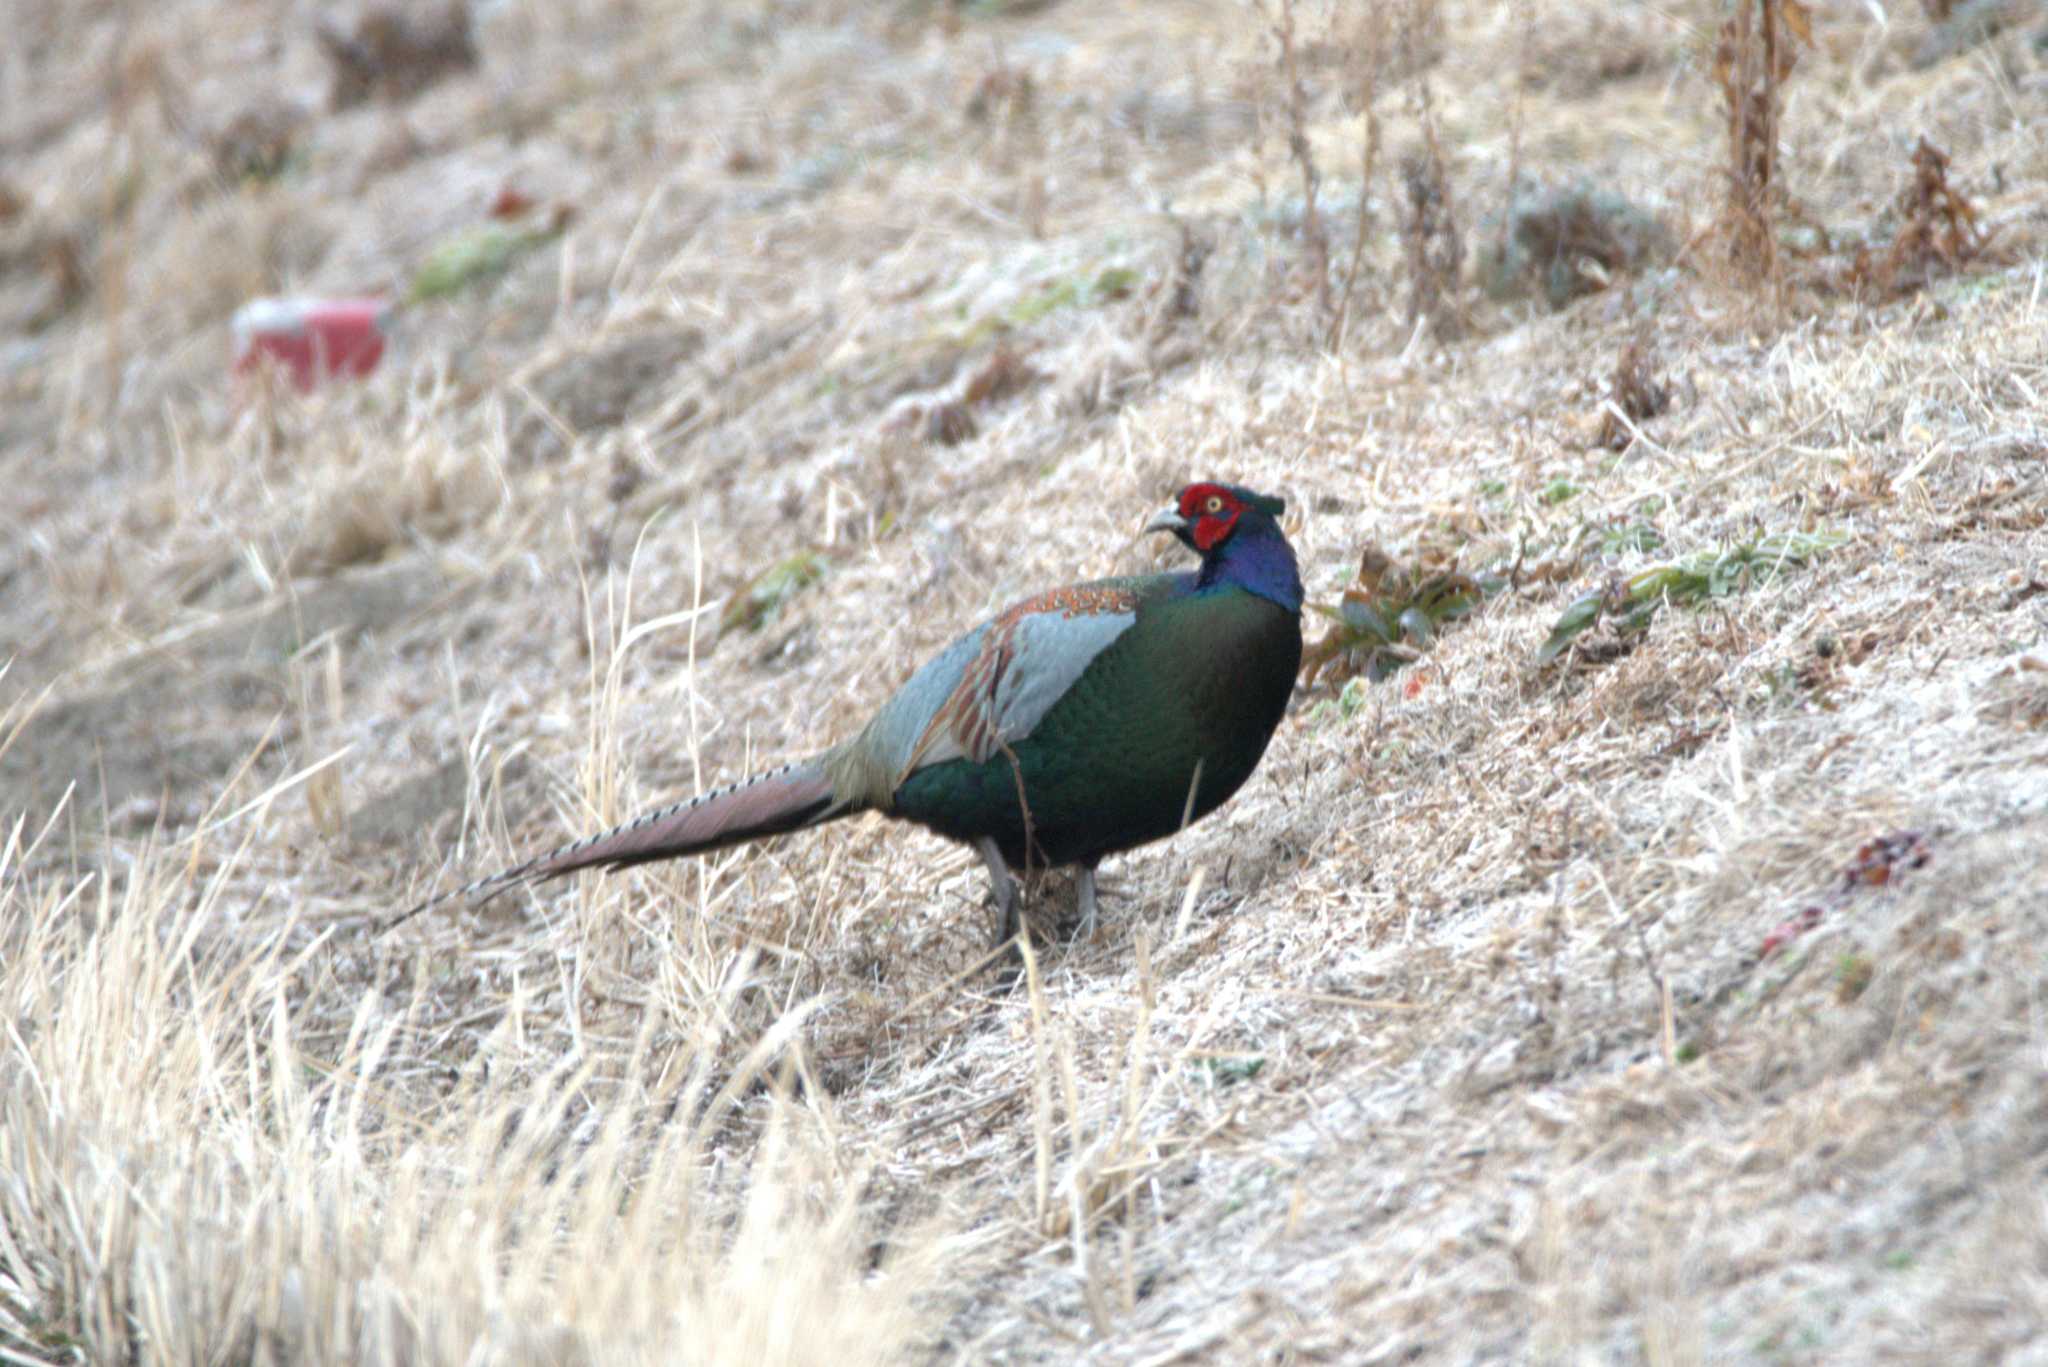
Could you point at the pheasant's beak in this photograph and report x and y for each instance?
(1167, 519)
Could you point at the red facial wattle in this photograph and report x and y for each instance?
(1212, 514)
(1211, 529)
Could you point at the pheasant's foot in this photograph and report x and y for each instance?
(1004, 886)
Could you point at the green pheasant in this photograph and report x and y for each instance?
(1073, 725)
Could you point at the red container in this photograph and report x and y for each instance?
(312, 340)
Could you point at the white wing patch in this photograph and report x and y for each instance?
(1050, 653)
(1026, 661)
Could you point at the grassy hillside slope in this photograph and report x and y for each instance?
(1678, 998)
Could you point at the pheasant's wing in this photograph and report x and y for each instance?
(990, 688)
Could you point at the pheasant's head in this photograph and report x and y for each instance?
(1204, 516)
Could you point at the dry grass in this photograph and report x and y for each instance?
(1450, 1039)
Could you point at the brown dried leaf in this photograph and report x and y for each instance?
(1636, 391)
(1938, 231)
(258, 139)
(949, 424)
(64, 259)
(509, 202)
(1374, 565)
(1005, 373)
(1798, 20)
(393, 52)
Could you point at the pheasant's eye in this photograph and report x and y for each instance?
(1213, 505)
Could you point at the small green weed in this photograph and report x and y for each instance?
(1388, 617)
(1109, 284)
(470, 258)
(757, 602)
(1629, 538)
(1347, 704)
(1853, 973)
(1225, 1072)
(1630, 605)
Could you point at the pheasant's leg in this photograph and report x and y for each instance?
(1086, 887)
(1005, 889)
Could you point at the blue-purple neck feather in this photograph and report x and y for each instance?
(1257, 558)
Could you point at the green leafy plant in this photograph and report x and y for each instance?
(1389, 616)
(1226, 1071)
(756, 602)
(1627, 538)
(1108, 285)
(1630, 604)
(481, 254)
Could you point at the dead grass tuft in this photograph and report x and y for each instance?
(390, 52)
(1634, 395)
(1938, 232)
(1570, 243)
(1315, 237)
(1754, 55)
(1436, 249)
(265, 1185)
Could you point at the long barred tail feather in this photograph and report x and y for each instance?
(780, 800)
